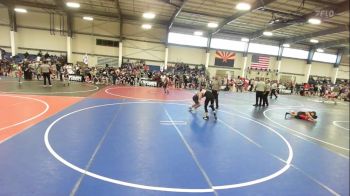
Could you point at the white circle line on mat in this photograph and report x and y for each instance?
(307, 136)
(336, 123)
(29, 119)
(157, 188)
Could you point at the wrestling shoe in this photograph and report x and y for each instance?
(215, 116)
(285, 116)
(206, 117)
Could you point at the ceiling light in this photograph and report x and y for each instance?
(319, 50)
(267, 33)
(147, 26)
(198, 33)
(286, 45)
(212, 25)
(149, 15)
(243, 6)
(314, 21)
(73, 4)
(20, 10)
(89, 18)
(244, 39)
(314, 41)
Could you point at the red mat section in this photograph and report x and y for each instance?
(144, 93)
(18, 112)
(18, 109)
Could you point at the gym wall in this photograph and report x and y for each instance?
(34, 35)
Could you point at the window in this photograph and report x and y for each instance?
(295, 53)
(104, 42)
(190, 40)
(263, 49)
(228, 44)
(324, 57)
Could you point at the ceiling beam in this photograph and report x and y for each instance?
(258, 4)
(338, 8)
(11, 14)
(191, 28)
(317, 2)
(60, 4)
(5, 3)
(334, 43)
(195, 12)
(56, 8)
(120, 14)
(134, 18)
(83, 12)
(170, 3)
(12, 18)
(338, 29)
(280, 12)
(176, 13)
(30, 4)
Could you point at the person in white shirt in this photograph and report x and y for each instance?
(259, 89)
(45, 70)
(255, 82)
(239, 84)
(273, 90)
(266, 93)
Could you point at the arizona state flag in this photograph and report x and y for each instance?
(224, 58)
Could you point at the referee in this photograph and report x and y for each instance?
(259, 90)
(45, 70)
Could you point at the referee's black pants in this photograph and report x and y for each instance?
(265, 100)
(259, 97)
(206, 102)
(47, 76)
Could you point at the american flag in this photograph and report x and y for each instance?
(260, 62)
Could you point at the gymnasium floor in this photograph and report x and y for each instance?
(89, 140)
